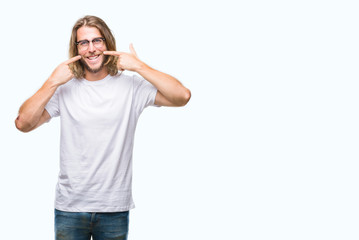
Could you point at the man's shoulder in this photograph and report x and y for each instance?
(124, 76)
(67, 85)
(128, 78)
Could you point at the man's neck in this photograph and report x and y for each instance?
(89, 76)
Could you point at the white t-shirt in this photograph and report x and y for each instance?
(98, 121)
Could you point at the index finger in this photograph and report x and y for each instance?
(73, 59)
(132, 50)
(114, 53)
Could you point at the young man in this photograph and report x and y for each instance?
(99, 107)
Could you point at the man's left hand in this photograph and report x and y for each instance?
(126, 61)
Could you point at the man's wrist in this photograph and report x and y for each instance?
(142, 67)
(52, 83)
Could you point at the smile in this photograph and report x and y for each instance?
(93, 58)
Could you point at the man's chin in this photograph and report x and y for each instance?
(92, 70)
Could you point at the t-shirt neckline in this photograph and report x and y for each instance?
(97, 82)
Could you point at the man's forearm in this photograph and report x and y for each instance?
(31, 110)
(170, 87)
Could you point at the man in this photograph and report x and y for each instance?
(99, 107)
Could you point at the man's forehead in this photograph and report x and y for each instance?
(86, 32)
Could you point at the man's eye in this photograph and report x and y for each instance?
(83, 43)
(97, 40)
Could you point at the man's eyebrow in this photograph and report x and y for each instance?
(88, 40)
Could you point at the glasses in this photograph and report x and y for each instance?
(84, 44)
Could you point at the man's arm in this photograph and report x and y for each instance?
(170, 91)
(44, 118)
(32, 110)
(32, 113)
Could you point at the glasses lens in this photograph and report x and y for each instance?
(83, 45)
(98, 42)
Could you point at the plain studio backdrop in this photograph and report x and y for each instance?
(267, 148)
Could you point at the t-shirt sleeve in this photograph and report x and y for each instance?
(144, 93)
(52, 107)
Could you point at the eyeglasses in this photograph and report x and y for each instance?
(97, 43)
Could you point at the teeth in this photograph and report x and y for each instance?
(92, 57)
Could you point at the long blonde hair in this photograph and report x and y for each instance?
(93, 21)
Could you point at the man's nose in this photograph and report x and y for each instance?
(91, 47)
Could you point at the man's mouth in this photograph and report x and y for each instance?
(94, 62)
(92, 58)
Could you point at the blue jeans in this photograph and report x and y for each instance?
(83, 225)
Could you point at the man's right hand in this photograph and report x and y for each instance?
(62, 74)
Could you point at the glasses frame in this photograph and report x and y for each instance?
(88, 42)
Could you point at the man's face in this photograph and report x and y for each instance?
(92, 56)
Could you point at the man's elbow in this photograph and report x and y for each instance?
(22, 126)
(185, 97)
